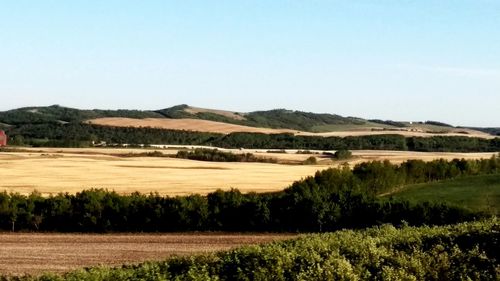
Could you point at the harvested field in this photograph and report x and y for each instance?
(184, 124)
(226, 128)
(401, 156)
(26, 253)
(54, 170)
(470, 133)
(51, 173)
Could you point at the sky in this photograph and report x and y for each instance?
(406, 60)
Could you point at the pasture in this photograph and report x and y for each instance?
(478, 193)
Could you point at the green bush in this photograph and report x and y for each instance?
(342, 154)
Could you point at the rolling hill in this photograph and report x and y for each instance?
(222, 121)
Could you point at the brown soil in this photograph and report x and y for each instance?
(37, 253)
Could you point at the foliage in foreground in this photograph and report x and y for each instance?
(468, 251)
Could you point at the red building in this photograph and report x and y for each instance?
(3, 138)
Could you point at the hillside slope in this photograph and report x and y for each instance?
(281, 120)
(478, 193)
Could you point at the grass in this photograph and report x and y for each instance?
(479, 193)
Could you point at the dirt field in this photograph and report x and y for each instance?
(22, 253)
(226, 128)
(54, 170)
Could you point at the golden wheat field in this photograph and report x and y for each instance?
(51, 173)
(54, 170)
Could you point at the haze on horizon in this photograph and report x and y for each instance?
(384, 59)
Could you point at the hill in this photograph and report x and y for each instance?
(478, 193)
(281, 119)
(60, 114)
(275, 119)
(491, 131)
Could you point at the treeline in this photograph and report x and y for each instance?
(215, 155)
(469, 251)
(388, 122)
(293, 211)
(333, 199)
(81, 135)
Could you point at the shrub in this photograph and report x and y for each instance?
(342, 154)
(310, 161)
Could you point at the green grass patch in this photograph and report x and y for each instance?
(479, 193)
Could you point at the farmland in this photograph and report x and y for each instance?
(382, 253)
(37, 253)
(184, 124)
(66, 172)
(54, 170)
(323, 203)
(199, 125)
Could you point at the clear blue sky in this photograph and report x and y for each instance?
(399, 59)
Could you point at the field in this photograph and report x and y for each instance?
(479, 193)
(66, 172)
(381, 253)
(35, 253)
(184, 124)
(334, 130)
(54, 170)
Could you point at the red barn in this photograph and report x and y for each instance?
(3, 138)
